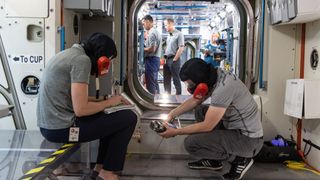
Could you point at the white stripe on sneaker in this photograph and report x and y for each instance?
(246, 168)
(204, 163)
(209, 164)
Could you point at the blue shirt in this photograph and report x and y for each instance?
(209, 59)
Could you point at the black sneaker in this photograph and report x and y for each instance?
(205, 164)
(91, 176)
(238, 168)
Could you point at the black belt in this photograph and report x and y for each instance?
(168, 56)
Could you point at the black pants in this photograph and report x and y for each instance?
(171, 70)
(113, 130)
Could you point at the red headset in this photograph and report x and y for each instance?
(199, 91)
(103, 64)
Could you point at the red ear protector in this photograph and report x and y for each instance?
(199, 91)
(103, 64)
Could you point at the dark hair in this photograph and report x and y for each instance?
(198, 71)
(170, 20)
(97, 45)
(148, 17)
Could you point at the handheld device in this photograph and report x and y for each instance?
(158, 126)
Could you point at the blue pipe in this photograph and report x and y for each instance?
(164, 13)
(182, 7)
(194, 19)
(62, 38)
(141, 47)
(261, 82)
(186, 27)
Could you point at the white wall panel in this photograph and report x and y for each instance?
(280, 54)
(33, 36)
(27, 8)
(311, 128)
(25, 58)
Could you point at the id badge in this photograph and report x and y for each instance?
(74, 134)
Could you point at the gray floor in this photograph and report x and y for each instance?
(137, 167)
(21, 151)
(167, 168)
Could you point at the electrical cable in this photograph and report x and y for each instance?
(179, 124)
(154, 152)
(300, 166)
(307, 153)
(300, 152)
(97, 87)
(305, 148)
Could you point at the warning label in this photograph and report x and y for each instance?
(28, 59)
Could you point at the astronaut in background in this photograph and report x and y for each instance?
(210, 48)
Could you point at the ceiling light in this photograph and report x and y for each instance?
(222, 14)
(230, 8)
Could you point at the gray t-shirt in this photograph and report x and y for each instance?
(54, 108)
(242, 111)
(154, 39)
(174, 41)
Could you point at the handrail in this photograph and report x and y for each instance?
(10, 93)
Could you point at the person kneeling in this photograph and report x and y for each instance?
(229, 129)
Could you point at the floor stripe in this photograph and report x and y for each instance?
(35, 170)
(48, 160)
(59, 152)
(67, 145)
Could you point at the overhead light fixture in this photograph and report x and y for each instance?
(217, 20)
(229, 8)
(222, 14)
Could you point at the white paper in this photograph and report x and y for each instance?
(119, 108)
(293, 105)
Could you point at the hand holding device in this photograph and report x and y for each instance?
(159, 127)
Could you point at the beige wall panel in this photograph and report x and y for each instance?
(279, 61)
(311, 128)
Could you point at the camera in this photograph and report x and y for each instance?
(158, 126)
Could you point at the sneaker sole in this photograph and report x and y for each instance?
(209, 168)
(246, 169)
